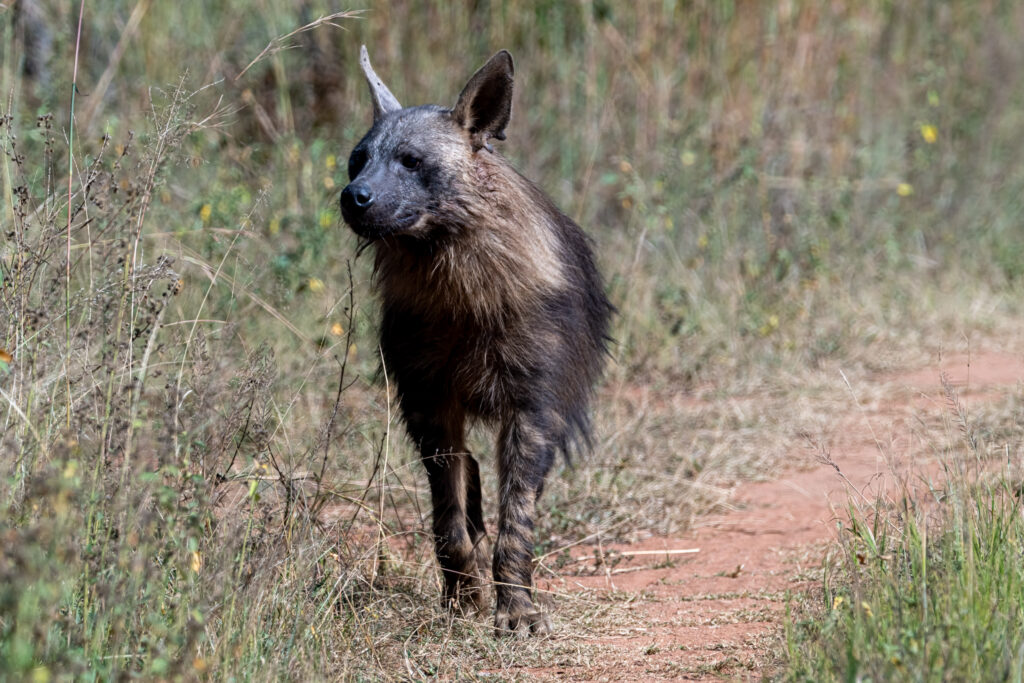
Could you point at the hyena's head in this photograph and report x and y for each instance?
(405, 174)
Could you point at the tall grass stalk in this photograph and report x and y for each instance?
(71, 168)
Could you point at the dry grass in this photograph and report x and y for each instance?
(199, 473)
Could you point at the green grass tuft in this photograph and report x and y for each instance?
(925, 590)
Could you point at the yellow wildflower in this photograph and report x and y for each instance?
(331, 162)
(837, 602)
(197, 561)
(205, 212)
(930, 133)
(904, 189)
(315, 284)
(337, 330)
(770, 325)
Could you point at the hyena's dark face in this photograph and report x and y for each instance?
(401, 171)
(405, 170)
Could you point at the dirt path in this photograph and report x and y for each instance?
(718, 612)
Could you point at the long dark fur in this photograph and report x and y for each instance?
(493, 309)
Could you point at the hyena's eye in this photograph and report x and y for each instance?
(356, 162)
(411, 161)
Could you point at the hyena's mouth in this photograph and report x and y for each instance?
(372, 230)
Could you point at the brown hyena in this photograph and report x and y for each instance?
(493, 310)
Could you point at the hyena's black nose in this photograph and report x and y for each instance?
(356, 198)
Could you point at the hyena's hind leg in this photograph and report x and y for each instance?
(525, 454)
(458, 519)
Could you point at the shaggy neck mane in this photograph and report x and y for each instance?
(495, 255)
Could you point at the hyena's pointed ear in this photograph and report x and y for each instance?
(485, 105)
(383, 100)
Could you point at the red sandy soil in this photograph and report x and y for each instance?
(719, 612)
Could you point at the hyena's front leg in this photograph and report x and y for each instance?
(458, 521)
(524, 456)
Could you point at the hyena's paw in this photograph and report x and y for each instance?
(465, 591)
(468, 596)
(521, 621)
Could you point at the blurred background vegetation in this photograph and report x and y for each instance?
(773, 187)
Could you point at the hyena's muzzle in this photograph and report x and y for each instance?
(370, 207)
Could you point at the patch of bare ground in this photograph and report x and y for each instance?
(710, 602)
